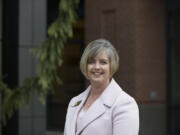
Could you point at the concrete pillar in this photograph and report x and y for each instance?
(32, 31)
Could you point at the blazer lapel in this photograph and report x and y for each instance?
(77, 105)
(95, 111)
(73, 121)
(98, 108)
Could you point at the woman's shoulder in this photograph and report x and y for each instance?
(125, 101)
(126, 97)
(122, 97)
(79, 97)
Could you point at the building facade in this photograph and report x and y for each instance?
(146, 35)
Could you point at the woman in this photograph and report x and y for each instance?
(103, 108)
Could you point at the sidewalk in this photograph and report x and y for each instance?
(54, 133)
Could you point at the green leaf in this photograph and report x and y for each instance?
(49, 56)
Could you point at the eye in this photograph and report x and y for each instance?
(91, 61)
(103, 62)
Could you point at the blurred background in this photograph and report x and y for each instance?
(146, 34)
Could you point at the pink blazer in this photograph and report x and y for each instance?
(113, 113)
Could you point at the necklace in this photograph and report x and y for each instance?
(90, 101)
(88, 104)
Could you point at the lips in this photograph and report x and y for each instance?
(97, 73)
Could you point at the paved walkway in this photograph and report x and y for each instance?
(53, 133)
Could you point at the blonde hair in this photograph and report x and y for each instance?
(93, 49)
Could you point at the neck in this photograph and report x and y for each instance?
(98, 88)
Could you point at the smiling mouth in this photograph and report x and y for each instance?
(97, 73)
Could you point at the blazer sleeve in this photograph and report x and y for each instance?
(126, 118)
(66, 122)
(65, 126)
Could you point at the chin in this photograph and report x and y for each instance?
(97, 80)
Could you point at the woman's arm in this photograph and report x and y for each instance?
(126, 118)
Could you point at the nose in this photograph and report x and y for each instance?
(97, 65)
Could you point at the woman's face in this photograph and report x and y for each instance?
(98, 68)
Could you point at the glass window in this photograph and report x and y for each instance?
(69, 72)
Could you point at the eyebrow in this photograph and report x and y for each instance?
(93, 58)
(105, 59)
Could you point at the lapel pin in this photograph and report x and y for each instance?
(77, 103)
